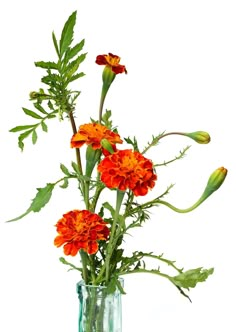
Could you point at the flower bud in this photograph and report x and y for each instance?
(107, 145)
(215, 181)
(217, 178)
(92, 157)
(201, 137)
(34, 95)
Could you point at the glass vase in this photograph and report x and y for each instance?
(98, 310)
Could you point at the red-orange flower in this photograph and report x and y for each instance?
(93, 133)
(80, 230)
(127, 169)
(112, 61)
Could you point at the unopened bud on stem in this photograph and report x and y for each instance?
(201, 137)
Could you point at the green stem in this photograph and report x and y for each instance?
(157, 138)
(172, 207)
(84, 259)
(147, 271)
(111, 245)
(167, 261)
(77, 151)
(102, 99)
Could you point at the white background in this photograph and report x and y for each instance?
(181, 61)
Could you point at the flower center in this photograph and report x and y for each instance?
(113, 61)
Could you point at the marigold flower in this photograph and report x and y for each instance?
(94, 133)
(127, 169)
(80, 230)
(112, 61)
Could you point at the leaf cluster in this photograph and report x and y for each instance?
(59, 99)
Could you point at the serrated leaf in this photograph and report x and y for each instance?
(64, 169)
(75, 77)
(67, 33)
(44, 126)
(22, 137)
(34, 137)
(40, 108)
(191, 277)
(51, 79)
(74, 65)
(21, 128)
(55, 44)
(75, 50)
(31, 113)
(41, 199)
(46, 65)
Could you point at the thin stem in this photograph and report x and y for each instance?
(147, 271)
(172, 207)
(77, 151)
(167, 261)
(84, 257)
(111, 245)
(102, 99)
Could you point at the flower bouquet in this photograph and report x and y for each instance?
(96, 230)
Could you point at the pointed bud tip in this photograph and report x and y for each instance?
(217, 178)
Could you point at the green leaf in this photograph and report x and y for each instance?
(40, 108)
(73, 66)
(65, 169)
(108, 206)
(44, 126)
(75, 167)
(21, 128)
(75, 77)
(51, 79)
(191, 277)
(63, 261)
(55, 44)
(22, 137)
(50, 105)
(31, 113)
(34, 137)
(41, 199)
(75, 50)
(67, 33)
(46, 65)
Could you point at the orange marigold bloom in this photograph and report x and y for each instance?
(127, 169)
(80, 230)
(93, 133)
(111, 61)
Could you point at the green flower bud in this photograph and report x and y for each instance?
(201, 137)
(215, 180)
(34, 95)
(107, 145)
(92, 157)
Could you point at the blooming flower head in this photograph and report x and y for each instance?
(127, 169)
(80, 230)
(112, 61)
(92, 134)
